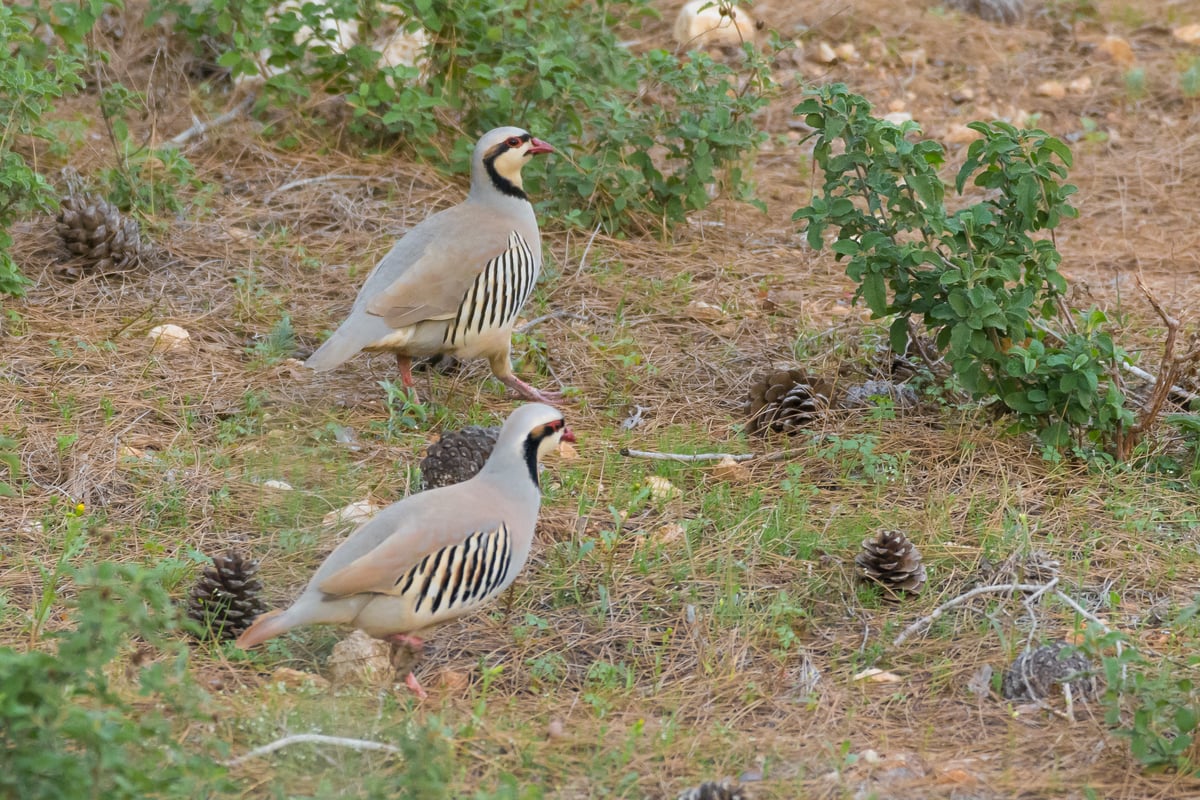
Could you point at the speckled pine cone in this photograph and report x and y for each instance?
(891, 560)
(785, 401)
(1036, 673)
(712, 790)
(226, 597)
(99, 237)
(457, 456)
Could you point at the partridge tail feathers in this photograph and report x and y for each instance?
(337, 349)
(267, 626)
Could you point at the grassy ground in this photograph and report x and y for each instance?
(655, 640)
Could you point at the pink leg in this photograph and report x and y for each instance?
(412, 683)
(405, 365)
(408, 640)
(528, 392)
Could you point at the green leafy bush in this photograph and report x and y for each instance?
(1155, 704)
(31, 80)
(644, 138)
(983, 279)
(67, 731)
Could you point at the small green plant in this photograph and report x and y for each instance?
(11, 461)
(1155, 704)
(404, 413)
(68, 730)
(984, 279)
(1189, 79)
(644, 138)
(276, 345)
(31, 80)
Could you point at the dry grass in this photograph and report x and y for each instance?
(705, 684)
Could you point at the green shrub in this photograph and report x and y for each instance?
(984, 279)
(67, 731)
(32, 79)
(644, 138)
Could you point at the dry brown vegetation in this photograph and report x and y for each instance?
(731, 646)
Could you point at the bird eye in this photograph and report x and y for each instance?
(513, 141)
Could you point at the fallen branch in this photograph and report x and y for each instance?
(587, 249)
(313, 738)
(201, 128)
(687, 458)
(310, 181)
(559, 314)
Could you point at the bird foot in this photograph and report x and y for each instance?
(408, 640)
(412, 683)
(529, 393)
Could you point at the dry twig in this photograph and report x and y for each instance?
(201, 127)
(313, 738)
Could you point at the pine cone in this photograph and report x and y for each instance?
(101, 238)
(1006, 11)
(785, 401)
(457, 456)
(225, 599)
(1035, 673)
(712, 790)
(891, 560)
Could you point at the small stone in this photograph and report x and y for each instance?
(822, 53)
(567, 451)
(897, 117)
(960, 134)
(361, 660)
(279, 486)
(875, 675)
(1188, 34)
(453, 680)
(963, 95)
(355, 513)
(660, 488)
(732, 471)
(297, 678)
(167, 337)
(847, 52)
(556, 729)
(1052, 89)
(1117, 50)
(703, 312)
(703, 23)
(1081, 85)
(671, 532)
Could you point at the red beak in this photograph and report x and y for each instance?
(538, 146)
(568, 434)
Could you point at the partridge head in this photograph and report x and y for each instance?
(455, 283)
(436, 555)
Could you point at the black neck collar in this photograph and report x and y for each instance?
(502, 184)
(531, 459)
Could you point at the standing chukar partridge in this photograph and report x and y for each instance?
(456, 282)
(436, 555)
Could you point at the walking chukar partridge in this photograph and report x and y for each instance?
(456, 282)
(436, 555)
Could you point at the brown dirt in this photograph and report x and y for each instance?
(226, 271)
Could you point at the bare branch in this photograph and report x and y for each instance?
(313, 738)
(686, 457)
(201, 128)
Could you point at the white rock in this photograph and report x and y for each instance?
(823, 53)
(847, 52)
(1188, 34)
(279, 486)
(661, 488)
(355, 513)
(1052, 89)
(1080, 85)
(360, 660)
(167, 337)
(701, 24)
(898, 117)
(404, 49)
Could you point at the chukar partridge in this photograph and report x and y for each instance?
(435, 555)
(456, 282)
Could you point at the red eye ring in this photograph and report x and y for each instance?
(513, 141)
